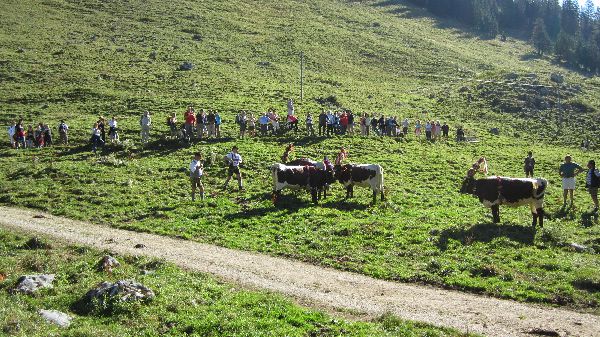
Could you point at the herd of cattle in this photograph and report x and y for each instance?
(491, 191)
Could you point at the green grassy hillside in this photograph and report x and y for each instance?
(186, 304)
(80, 59)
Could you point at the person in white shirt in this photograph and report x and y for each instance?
(112, 131)
(234, 159)
(145, 123)
(196, 173)
(63, 132)
(12, 129)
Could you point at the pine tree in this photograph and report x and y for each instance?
(540, 38)
(586, 20)
(564, 47)
(569, 17)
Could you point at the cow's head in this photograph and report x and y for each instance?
(330, 173)
(468, 184)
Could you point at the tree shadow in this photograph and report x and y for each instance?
(486, 232)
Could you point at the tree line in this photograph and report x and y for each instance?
(570, 32)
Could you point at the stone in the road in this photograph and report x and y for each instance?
(108, 263)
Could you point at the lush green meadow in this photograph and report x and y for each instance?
(186, 303)
(80, 59)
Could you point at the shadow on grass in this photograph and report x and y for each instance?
(345, 205)
(288, 203)
(486, 232)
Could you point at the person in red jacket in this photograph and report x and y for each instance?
(190, 121)
(344, 122)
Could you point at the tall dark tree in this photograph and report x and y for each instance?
(569, 17)
(587, 20)
(565, 47)
(552, 17)
(486, 20)
(540, 38)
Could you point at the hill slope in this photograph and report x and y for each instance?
(79, 59)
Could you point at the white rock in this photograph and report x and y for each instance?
(56, 317)
(28, 284)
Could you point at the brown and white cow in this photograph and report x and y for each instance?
(366, 175)
(301, 177)
(495, 191)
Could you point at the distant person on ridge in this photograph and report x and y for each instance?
(529, 165)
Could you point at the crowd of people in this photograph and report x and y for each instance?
(40, 135)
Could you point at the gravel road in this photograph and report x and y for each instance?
(318, 286)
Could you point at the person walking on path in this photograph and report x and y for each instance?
(592, 182)
(196, 173)
(568, 170)
(145, 123)
(529, 164)
(234, 160)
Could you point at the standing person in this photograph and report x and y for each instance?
(251, 125)
(322, 123)
(290, 107)
(529, 164)
(30, 137)
(428, 130)
(438, 130)
(47, 135)
(234, 160)
(309, 125)
(342, 155)
(172, 123)
(101, 126)
(433, 130)
(405, 125)
(592, 182)
(210, 120)
(63, 132)
(292, 123)
(460, 134)
(361, 122)
(344, 123)
(264, 124)
(200, 123)
(112, 130)
(218, 122)
(330, 123)
(12, 130)
(568, 170)
(374, 124)
(196, 173)
(350, 123)
(418, 129)
(190, 122)
(445, 130)
(241, 120)
(96, 137)
(145, 122)
(381, 124)
(20, 134)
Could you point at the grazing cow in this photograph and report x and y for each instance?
(301, 177)
(495, 191)
(366, 175)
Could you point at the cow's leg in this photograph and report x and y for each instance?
(534, 220)
(496, 213)
(313, 193)
(374, 197)
(382, 195)
(540, 214)
(352, 191)
(348, 191)
(275, 196)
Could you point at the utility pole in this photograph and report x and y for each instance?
(301, 76)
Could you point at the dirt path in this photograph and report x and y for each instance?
(317, 285)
